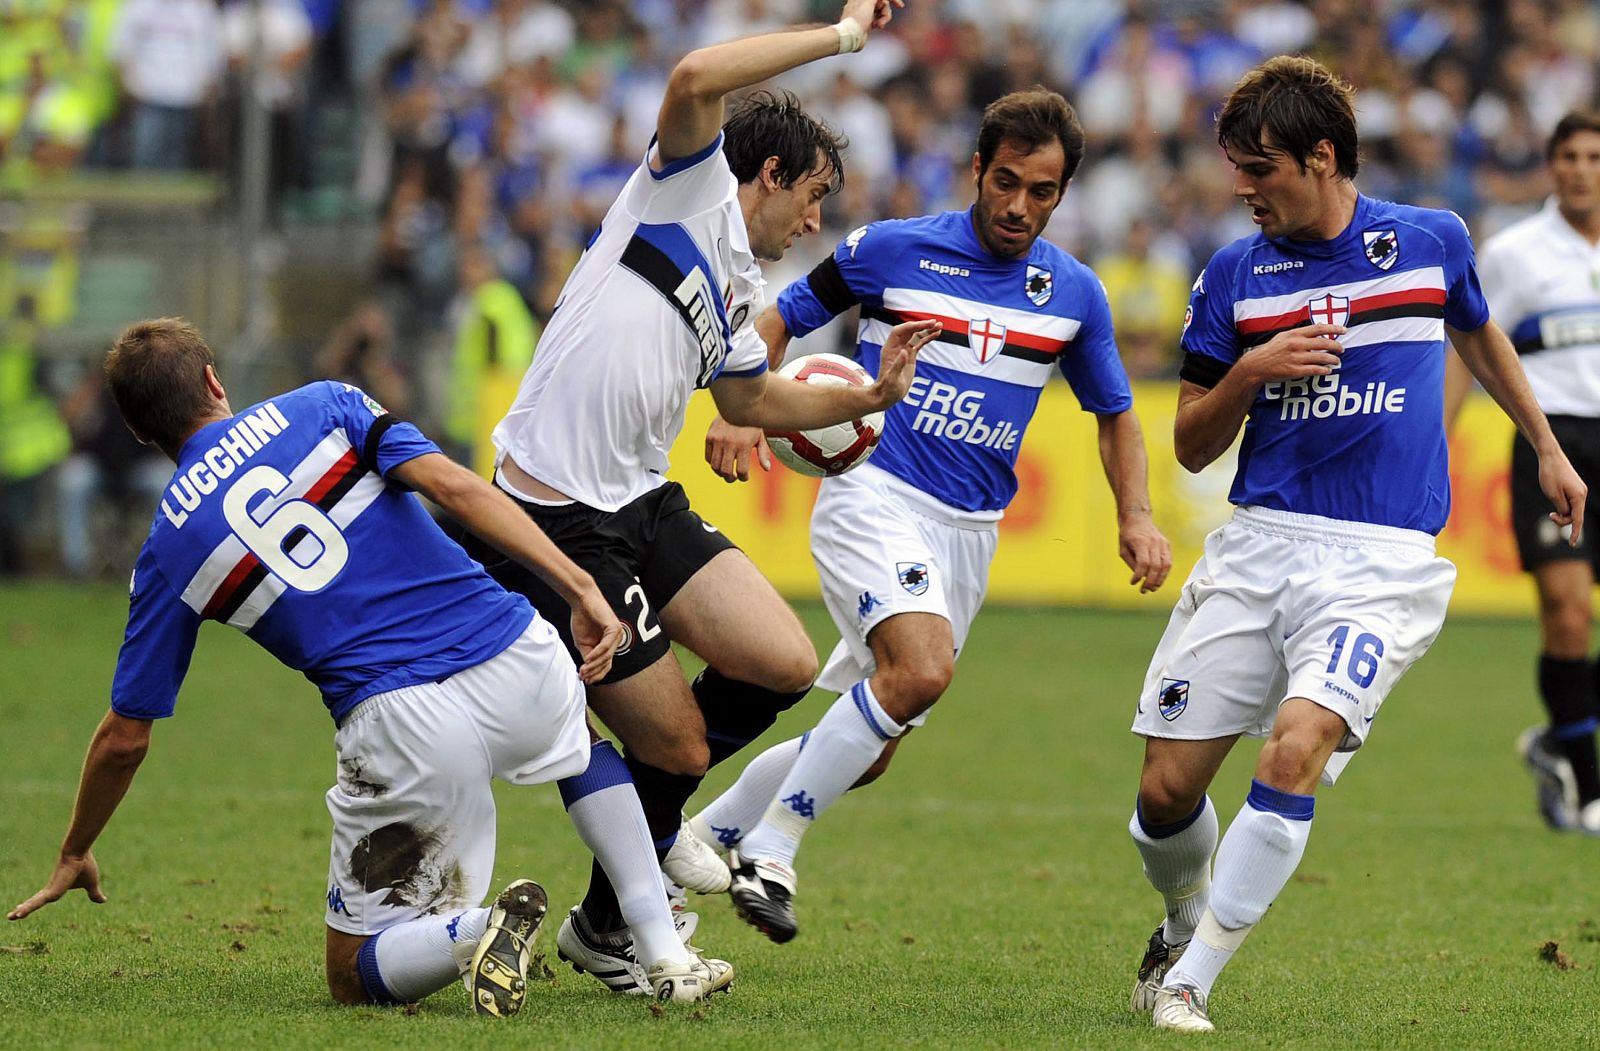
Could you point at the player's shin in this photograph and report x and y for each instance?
(736, 712)
(1177, 862)
(1568, 689)
(838, 751)
(1262, 848)
(406, 962)
(604, 808)
(726, 819)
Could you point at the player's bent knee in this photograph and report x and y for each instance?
(687, 756)
(906, 691)
(1164, 798)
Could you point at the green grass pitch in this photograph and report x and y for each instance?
(985, 894)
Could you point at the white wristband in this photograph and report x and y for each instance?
(851, 36)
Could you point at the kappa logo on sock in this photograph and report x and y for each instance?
(1173, 699)
(728, 837)
(802, 804)
(450, 928)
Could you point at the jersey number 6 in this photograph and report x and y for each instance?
(269, 538)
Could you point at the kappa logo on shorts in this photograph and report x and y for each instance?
(913, 576)
(1173, 699)
(866, 604)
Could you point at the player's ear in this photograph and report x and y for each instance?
(977, 168)
(771, 177)
(214, 384)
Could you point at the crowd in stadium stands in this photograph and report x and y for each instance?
(491, 135)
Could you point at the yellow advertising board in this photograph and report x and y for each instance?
(1059, 541)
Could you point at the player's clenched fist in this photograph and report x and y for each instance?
(1311, 350)
(871, 14)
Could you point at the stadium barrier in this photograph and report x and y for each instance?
(1058, 541)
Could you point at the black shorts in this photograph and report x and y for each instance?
(640, 556)
(1540, 540)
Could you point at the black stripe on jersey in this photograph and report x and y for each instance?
(251, 581)
(960, 339)
(339, 488)
(369, 448)
(1203, 370)
(658, 269)
(829, 286)
(1360, 317)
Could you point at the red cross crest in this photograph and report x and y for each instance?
(1330, 310)
(986, 338)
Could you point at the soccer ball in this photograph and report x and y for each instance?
(822, 452)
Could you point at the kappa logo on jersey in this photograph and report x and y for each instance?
(1277, 268)
(986, 338)
(1383, 248)
(854, 240)
(1039, 285)
(943, 268)
(913, 576)
(1173, 699)
(1330, 310)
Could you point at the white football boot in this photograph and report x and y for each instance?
(694, 865)
(1182, 1010)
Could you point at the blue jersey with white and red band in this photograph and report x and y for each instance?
(1365, 443)
(279, 522)
(1008, 323)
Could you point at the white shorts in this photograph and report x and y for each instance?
(1284, 605)
(879, 553)
(413, 811)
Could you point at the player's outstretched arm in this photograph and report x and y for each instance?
(728, 448)
(1209, 420)
(489, 513)
(1488, 353)
(774, 403)
(115, 752)
(1141, 545)
(691, 111)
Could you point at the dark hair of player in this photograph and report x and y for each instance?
(772, 124)
(1297, 102)
(1031, 119)
(1575, 121)
(157, 373)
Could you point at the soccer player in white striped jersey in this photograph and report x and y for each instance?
(903, 543)
(1541, 277)
(293, 521)
(662, 304)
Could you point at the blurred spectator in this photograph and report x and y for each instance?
(33, 439)
(277, 33)
(171, 56)
(108, 471)
(1148, 295)
(360, 352)
(495, 337)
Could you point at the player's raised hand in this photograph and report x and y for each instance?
(728, 450)
(71, 873)
(897, 362)
(1310, 350)
(1145, 550)
(872, 14)
(1566, 490)
(597, 633)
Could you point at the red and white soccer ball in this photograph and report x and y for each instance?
(822, 452)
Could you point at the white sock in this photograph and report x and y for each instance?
(406, 962)
(604, 808)
(1262, 848)
(727, 818)
(838, 751)
(1177, 862)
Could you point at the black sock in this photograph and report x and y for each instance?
(736, 713)
(662, 796)
(1569, 691)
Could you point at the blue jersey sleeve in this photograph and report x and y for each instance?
(852, 275)
(381, 439)
(156, 647)
(1091, 363)
(1465, 309)
(1208, 327)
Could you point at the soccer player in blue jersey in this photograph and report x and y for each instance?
(293, 521)
(1541, 277)
(903, 543)
(1323, 336)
